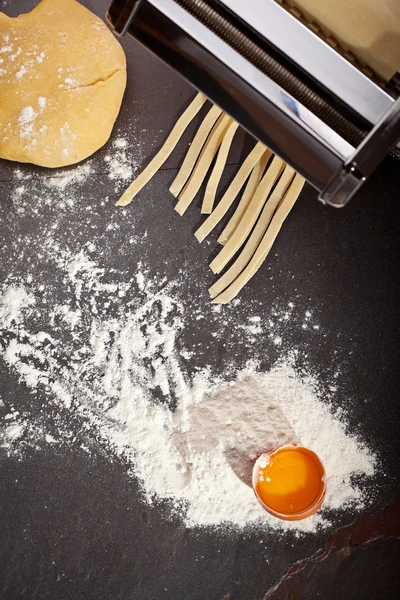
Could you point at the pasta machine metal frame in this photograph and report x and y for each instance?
(279, 80)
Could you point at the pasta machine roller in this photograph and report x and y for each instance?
(283, 83)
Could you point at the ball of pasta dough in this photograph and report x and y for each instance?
(62, 80)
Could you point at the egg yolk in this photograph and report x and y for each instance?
(289, 480)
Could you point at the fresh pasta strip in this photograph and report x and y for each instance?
(266, 244)
(165, 151)
(250, 217)
(231, 193)
(248, 193)
(212, 185)
(194, 150)
(256, 236)
(203, 164)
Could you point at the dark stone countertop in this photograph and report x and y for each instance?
(72, 524)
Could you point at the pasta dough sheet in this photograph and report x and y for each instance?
(369, 29)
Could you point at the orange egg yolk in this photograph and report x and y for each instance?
(289, 480)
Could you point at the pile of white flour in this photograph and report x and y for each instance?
(189, 435)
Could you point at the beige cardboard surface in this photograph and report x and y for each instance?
(369, 28)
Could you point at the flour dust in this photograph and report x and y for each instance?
(123, 351)
(189, 439)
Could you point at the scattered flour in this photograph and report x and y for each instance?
(70, 177)
(12, 303)
(27, 115)
(120, 166)
(64, 187)
(188, 438)
(21, 72)
(203, 453)
(114, 353)
(26, 120)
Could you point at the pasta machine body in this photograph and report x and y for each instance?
(279, 80)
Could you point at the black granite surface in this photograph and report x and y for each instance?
(73, 525)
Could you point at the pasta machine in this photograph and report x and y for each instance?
(281, 81)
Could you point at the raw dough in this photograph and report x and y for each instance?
(214, 135)
(231, 193)
(215, 177)
(203, 164)
(62, 79)
(194, 151)
(165, 151)
(247, 195)
(266, 244)
(246, 224)
(256, 235)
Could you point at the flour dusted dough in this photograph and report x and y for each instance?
(62, 79)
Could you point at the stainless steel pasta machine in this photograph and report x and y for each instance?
(279, 80)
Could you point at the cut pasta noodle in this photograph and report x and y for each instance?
(203, 164)
(165, 151)
(212, 185)
(256, 236)
(260, 213)
(250, 216)
(266, 244)
(194, 151)
(231, 193)
(248, 193)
